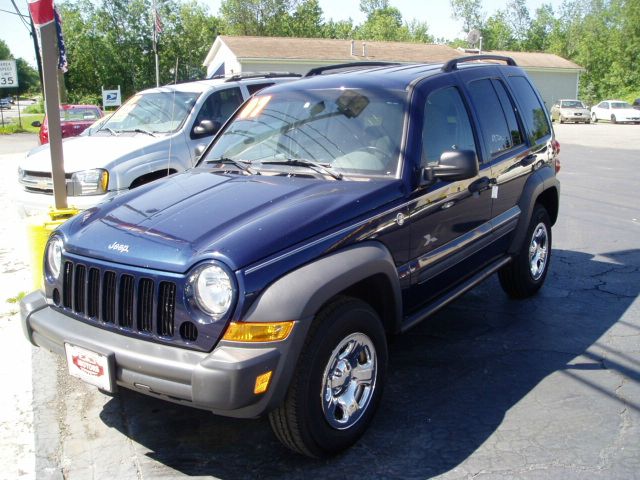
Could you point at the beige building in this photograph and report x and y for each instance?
(554, 76)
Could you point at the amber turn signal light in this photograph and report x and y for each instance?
(258, 331)
(262, 382)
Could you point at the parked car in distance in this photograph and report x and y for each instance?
(5, 104)
(570, 111)
(155, 133)
(327, 215)
(74, 119)
(636, 104)
(615, 111)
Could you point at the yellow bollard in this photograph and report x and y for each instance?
(39, 230)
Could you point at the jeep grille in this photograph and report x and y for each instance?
(124, 301)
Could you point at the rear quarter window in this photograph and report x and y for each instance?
(533, 113)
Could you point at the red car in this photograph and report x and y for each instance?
(74, 119)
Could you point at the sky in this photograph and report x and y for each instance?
(437, 14)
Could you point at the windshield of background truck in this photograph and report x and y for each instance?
(155, 112)
(353, 131)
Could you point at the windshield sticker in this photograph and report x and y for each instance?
(254, 107)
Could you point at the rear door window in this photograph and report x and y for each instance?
(497, 131)
(533, 112)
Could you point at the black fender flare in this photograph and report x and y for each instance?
(542, 180)
(309, 287)
(301, 293)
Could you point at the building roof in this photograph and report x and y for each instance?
(324, 50)
(539, 60)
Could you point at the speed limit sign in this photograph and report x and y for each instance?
(8, 74)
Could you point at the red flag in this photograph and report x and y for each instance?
(41, 11)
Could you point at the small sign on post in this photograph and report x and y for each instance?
(8, 74)
(111, 98)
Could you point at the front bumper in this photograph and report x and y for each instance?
(35, 204)
(221, 381)
(571, 116)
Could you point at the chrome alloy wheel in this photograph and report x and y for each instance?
(348, 381)
(538, 251)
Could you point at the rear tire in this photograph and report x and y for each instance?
(525, 275)
(613, 119)
(338, 382)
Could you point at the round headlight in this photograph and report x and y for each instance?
(214, 290)
(54, 256)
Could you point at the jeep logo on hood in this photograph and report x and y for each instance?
(119, 247)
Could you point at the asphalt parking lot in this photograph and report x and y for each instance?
(488, 388)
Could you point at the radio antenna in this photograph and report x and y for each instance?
(173, 110)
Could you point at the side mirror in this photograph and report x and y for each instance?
(36, 124)
(199, 151)
(453, 165)
(206, 128)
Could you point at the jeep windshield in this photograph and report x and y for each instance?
(352, 132)
(151, 113)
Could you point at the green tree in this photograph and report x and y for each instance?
(306, 21)
(5, 53)
(538, 38)
(342, 29)
(256, 17)
(497, 34)
(369, 6)
(519, 20)
(469, 12)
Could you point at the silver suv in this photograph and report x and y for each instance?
(157, 132)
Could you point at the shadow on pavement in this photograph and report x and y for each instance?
(452, 380)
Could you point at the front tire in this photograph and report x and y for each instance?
(525, 275)
(594, 119)
(613, 119)
(338, 382)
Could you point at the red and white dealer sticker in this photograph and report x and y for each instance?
(89, 366)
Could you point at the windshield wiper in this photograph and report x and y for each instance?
(140, 130)
(303, 162)
(241, 164)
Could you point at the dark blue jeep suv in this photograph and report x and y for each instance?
(328, 214)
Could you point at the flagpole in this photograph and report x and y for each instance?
(48, 39)
(155, 41)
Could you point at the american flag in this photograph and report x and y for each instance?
(63, 64)
(157, 22)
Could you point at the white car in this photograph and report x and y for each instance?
(155, 133)
(615, 111)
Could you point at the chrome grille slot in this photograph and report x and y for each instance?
(93, 289)
(166, 309)
(125, 313)
(145, 305)
(109, 298)
(67, 283)
(79, 289)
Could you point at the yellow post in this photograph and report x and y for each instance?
(39, 230)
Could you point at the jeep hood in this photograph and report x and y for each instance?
(83, 153)
(173, 223)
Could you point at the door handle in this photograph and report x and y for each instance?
(481, 184)
(528, 160)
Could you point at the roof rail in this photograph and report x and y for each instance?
(453, 64)
(352, 65)
(244, 76)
